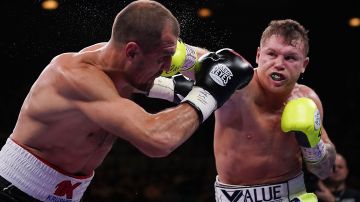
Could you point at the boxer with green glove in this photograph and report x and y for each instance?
(302, 117)
(217, 70)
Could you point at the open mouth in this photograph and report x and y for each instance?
(277, 77)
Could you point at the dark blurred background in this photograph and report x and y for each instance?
(32, 36)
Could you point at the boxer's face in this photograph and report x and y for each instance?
(152, 64)
(280, 63)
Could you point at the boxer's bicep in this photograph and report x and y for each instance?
(119, 116)
(95, 96)
(155, 135)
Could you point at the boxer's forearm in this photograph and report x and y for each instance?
(167, 130)
(322, 169)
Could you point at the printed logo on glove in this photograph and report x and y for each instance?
(221, 74)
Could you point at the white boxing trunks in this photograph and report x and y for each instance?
(37, 179)
(291, 190)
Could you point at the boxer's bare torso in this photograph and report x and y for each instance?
(52, 128)
(81, 103)
(250, 147)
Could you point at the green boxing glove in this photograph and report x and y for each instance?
(305, 197)
(184, 59)
(302, 117)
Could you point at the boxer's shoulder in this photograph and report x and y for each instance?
(301, 90)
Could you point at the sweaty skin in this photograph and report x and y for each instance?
(81, 103)
(249, 146)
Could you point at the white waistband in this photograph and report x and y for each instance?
(34, 177)
(279, 192)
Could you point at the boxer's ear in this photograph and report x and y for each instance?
(131, 50)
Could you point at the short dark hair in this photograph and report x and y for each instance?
(289, 29)
(143, 21)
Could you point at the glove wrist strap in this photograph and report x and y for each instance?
(190, 58)
(163, 88)
(202, 100)
(314, 154)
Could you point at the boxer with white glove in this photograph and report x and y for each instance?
(218, 75)
(172, 85)
(172, 89)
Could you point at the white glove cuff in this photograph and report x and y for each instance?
(190, 58)
(163, 88)
(202, 100)
(314, 154)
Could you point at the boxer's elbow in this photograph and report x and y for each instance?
(157, 153)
